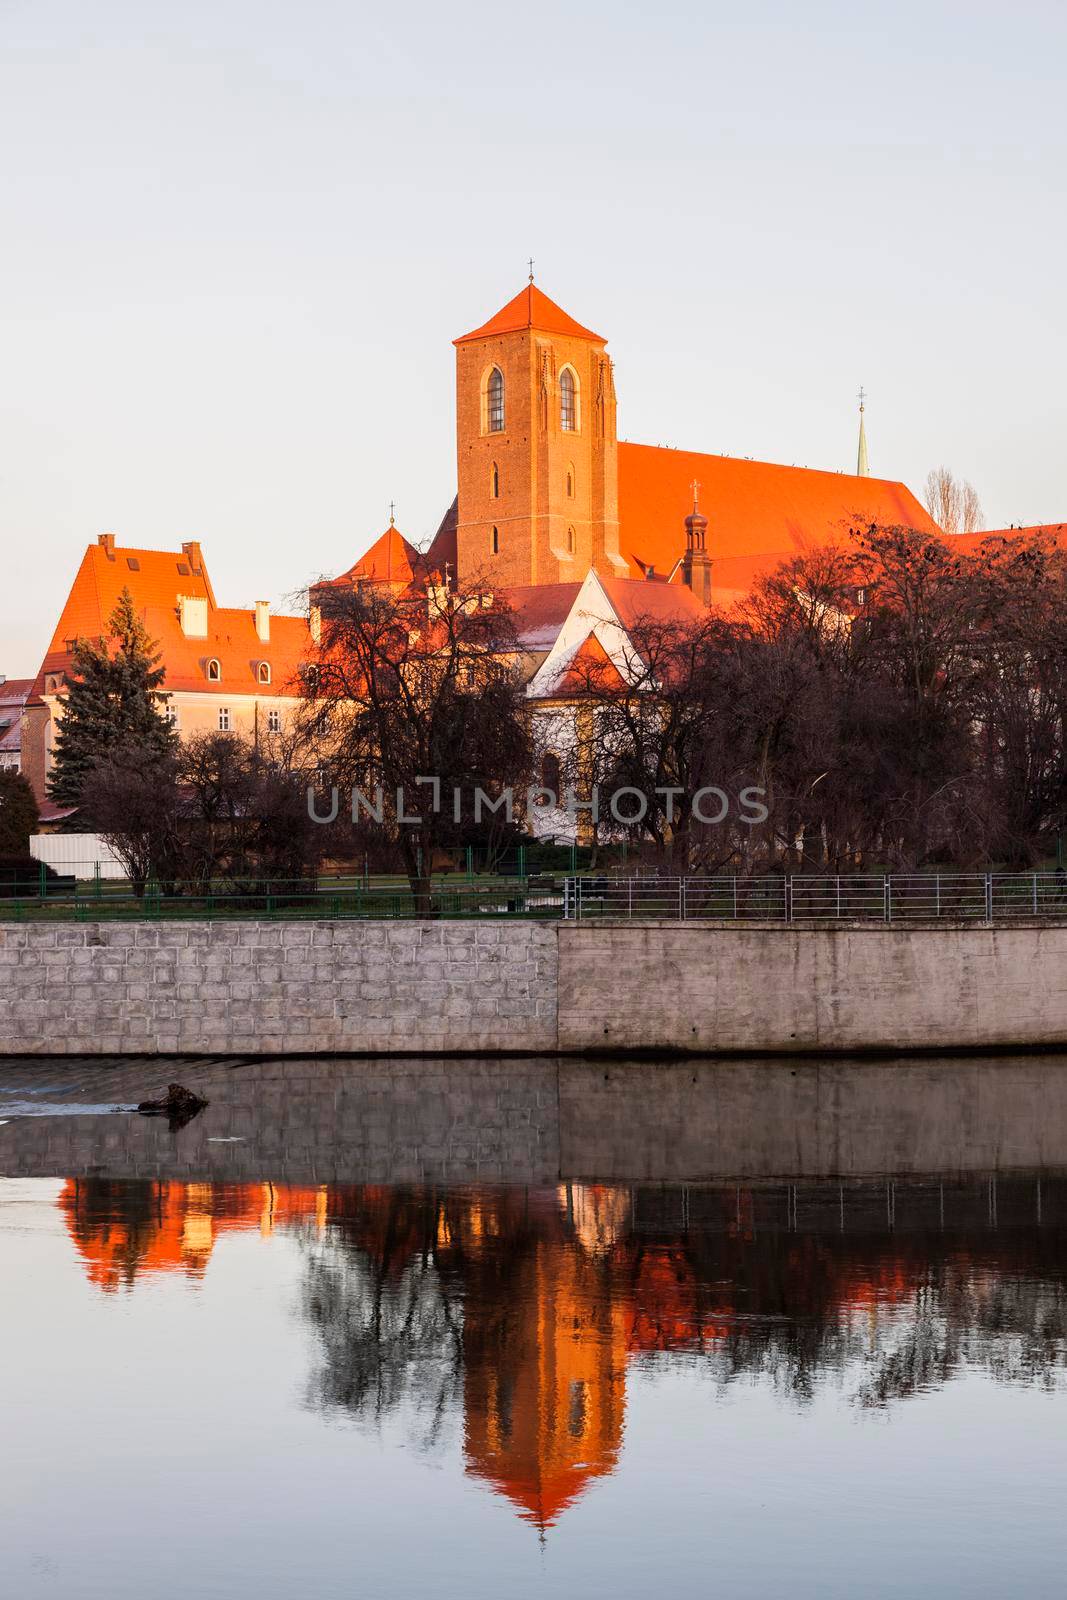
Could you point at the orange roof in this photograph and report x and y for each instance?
(530, 309)
(759, 514)
(590, 664)
(156, 579)
(970, 542)
(390, 559)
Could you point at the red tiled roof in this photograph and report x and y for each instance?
(589, 665)
(759, 514)
(539, 611)
(390, 559)
(530, 309)
(156, 579)
(970, 542)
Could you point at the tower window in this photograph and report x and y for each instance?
(495, 402)
(494, 482)
(568, 401)
(570, 483)
(570, 541)
(494, 541)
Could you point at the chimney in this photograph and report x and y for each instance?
(191, 552)
(263, 620)
(106, 541)
(696, 563)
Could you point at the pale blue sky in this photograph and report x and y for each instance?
(238, 239)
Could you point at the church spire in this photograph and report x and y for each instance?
(863, 465)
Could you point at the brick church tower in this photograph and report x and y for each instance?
(537, 449)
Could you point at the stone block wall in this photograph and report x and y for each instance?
(402, 988)
(276, 987)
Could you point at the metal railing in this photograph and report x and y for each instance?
(951, 897)
(805, 899)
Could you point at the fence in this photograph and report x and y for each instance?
(982, 897)
(896, 898)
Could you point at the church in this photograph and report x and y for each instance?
(579, 533)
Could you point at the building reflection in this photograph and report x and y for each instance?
(522, 1311)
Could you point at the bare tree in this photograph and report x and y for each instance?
(415, 697)
(953, 502)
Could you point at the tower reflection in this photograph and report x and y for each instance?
(520, 1312)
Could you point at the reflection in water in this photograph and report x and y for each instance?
(521, 1310)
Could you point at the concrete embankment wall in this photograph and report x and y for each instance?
(407, 987)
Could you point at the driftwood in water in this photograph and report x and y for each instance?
(179, 1104)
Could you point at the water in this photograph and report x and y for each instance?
(527, 1330)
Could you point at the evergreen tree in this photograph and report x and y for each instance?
(18, 813)
(114, 700)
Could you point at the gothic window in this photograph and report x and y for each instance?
(494, 482)
(494, 541)
(494, 395)
(570, 541)
(568, 401)
(214, 671)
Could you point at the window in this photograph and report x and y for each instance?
(551, 775)
(494, 541)
(494, 482)
(495, 402)
(570, 483)
(224, 719)
(214, 671)
(570, 541)
(861, 597)
(568, 401)
(170, 714)
(274, 721)
(263, 672)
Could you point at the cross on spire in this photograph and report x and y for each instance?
(862, 396)
(695, 486)
(392, 513)
(530, 264)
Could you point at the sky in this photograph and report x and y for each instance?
(237, 240)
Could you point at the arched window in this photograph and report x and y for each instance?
(568, 401)
(494, 541)
(263, 672)
(494, 397)
(570, 541)
(570, 483)
(494, 482)
(214, 671)
(551, 776)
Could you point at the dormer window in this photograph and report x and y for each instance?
(214, 671)
(263, 672)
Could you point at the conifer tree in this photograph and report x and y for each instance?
(114, 701)
(18, 813)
